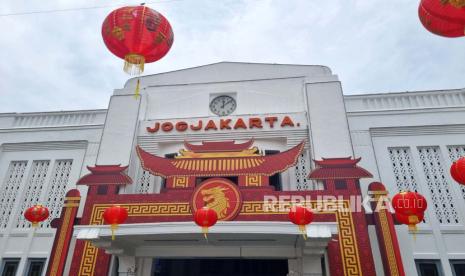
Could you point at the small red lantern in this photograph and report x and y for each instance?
(443, 17)
(301, 216)
(205, 217)
(36, 214)
(137, 34)
(114, 216)
(410, 208)
(457, 170)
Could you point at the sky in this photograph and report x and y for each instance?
(58, 61)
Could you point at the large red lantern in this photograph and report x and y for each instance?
(137, 34)
(457, 170)
(36, 214)
(114, 216)
(443, 17)
(410, 208)
(205, 217)
(301, 216)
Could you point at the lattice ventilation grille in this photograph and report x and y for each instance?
(302, 169)
(145, 182)
(402, 166)
(455, 152)
(57, 189)
(438, 185)
(9, 190)
(33, 189)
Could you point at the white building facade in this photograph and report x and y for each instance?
(406, 140)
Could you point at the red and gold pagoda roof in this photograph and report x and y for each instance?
(338, 168)
(105, 174)
(220, 159)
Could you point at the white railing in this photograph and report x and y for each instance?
(52, 119)
(406, 100)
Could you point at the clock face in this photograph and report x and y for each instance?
(223, 105)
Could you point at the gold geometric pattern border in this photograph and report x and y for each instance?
(180, 182)
(348, 243)
(391, 256)
(347, 238)
(253, 180)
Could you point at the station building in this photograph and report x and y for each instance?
(234, 136)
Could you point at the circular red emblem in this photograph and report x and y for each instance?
(219, 194)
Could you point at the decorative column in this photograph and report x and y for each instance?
(312, 255)
(127, 266)
(349, 252)
(64, 234)
(104, 182)
(386, 233)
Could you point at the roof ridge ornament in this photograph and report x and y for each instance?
(208, 146)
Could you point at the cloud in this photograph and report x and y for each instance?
(58, 61)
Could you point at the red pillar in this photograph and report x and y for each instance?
(64, 233)
(386, 233)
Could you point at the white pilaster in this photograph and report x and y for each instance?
(127, 266)
(329, 130)
(120, 127)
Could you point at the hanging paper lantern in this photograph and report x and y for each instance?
(114, 216)
(205, 217)
(301, 216)
(439, 26)
(410, 208)
(457, 170)
(137, 34)
(36, 214)
(443, 17)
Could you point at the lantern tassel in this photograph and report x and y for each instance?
(113, 228)
(35, 224)
(137, 91)
(205, 232)
(134, 64)
(303, 230)
(412, 227)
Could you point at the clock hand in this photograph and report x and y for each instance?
(222, 105)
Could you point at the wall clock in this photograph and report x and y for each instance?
(223, 105)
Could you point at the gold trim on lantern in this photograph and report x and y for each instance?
(134, 64)
(456, 3)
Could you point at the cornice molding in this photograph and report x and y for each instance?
(417, 130)
(405, 101)
(54, 128)
(43, 146)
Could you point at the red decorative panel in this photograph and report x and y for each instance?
(219, 194)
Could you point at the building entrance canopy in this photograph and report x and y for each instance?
(226, 239)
